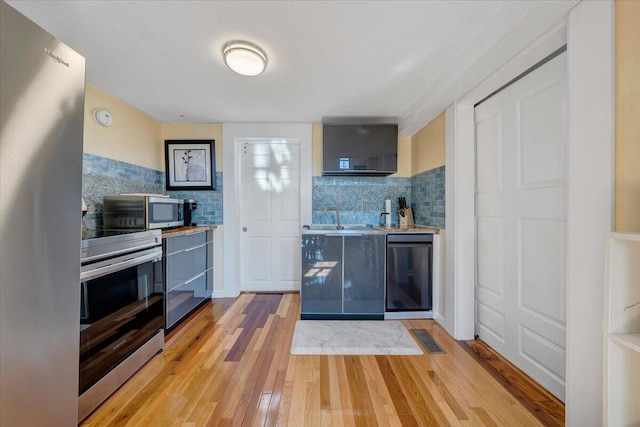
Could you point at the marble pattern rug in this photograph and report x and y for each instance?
(353, 337)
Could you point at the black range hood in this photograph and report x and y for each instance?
(359, 149)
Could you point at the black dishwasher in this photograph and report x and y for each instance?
(409, 272)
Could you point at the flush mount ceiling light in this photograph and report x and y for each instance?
(244, 58)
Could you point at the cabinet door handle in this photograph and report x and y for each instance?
(195, 278)
(193, 249)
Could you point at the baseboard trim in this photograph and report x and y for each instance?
(397, 315)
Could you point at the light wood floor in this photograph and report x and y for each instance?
(229, 365)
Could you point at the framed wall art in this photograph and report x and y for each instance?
(190, 164)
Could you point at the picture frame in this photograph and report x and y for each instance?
(190, 164)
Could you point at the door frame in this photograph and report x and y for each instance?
(287, 141)
(460, 258)
(588, 32)
(232, 136)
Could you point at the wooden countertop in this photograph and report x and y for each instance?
(187, 229)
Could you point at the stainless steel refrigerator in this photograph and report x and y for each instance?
(41, 126)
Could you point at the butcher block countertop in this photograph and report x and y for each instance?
(187, 229)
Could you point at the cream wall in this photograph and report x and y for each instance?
(316, 150)
(134, 137)
(404, 157)
(404, 153)
(195, 131)
(427, 151)
(427, 146)
(627, 115)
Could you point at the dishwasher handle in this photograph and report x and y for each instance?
(405, 238)
(410, 245)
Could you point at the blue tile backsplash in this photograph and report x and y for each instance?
(102, 176)
(360, 199)
(103, 166)
(427, 197)
(209, 209)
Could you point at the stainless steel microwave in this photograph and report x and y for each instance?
(142, 212)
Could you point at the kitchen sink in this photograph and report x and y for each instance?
(320, 227)
(347, 229)
(361, 227)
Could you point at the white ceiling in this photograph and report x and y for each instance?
(406, 60)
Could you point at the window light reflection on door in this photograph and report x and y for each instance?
(272, 177)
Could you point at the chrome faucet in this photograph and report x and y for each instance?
(381, 215)
(338, 226)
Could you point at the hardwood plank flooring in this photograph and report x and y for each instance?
(540, 402)
(230, 365)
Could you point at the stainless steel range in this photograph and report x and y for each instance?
(121, 310)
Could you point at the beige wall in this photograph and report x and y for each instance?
(628, 115)
(404, 153)
(316, 151)
(404, 157)
(134, 137)
(195, 131)
(427, 146)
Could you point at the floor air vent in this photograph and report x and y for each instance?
(427, 341)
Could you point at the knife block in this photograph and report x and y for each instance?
(406, 221)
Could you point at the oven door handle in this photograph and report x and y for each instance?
(154, 255)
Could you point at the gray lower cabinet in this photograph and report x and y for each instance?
(364, 274)
(321, 291)
(188, 274)
(342, 277)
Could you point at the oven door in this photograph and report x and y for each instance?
(164, 212)
(121, 308)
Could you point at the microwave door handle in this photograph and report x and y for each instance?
(112, 268)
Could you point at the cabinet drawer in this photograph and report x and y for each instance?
(184, 266)
(184, 298)
(179, 243)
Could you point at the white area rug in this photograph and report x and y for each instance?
(352, 337)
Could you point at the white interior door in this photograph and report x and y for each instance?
(270, 215)
(521, 218)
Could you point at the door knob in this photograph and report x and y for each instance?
(244, 229)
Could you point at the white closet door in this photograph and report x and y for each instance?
(521, 219)
(270, 215)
